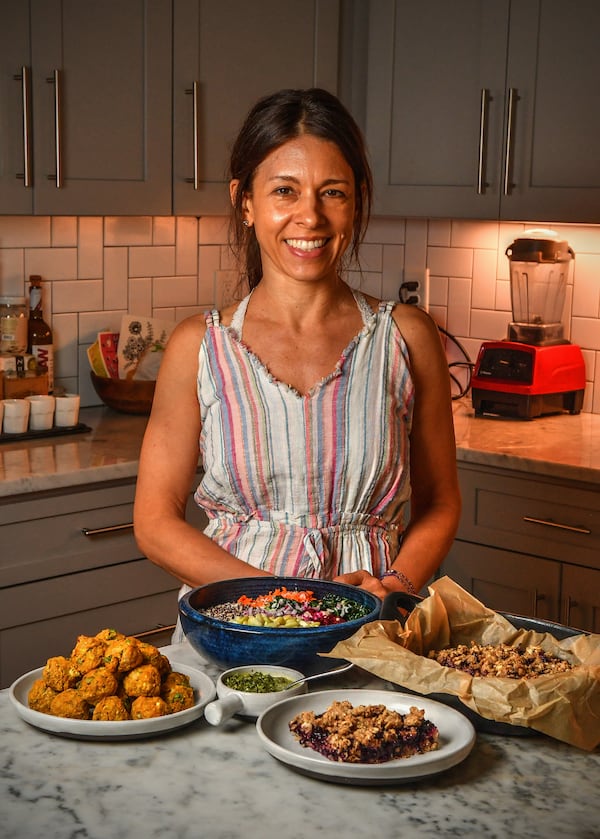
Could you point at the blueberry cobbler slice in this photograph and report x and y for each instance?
(365, 734)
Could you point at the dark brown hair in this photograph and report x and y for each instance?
(274, 120)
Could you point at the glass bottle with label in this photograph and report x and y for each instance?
(13, 325)
(40, 343)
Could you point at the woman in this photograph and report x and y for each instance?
(318, 411)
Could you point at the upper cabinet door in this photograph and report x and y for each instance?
(435, 94)
(16, 176)
(554, 80)
(100, 106)
(226, 56)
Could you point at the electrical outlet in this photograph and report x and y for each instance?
(415, 290)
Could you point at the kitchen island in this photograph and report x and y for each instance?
(220, 783)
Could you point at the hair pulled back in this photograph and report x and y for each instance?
(274, 120)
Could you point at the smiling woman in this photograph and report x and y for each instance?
(318, 411)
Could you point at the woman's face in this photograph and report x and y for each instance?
(302, 207)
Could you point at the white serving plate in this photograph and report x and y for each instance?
(204, 690)
(456, 738)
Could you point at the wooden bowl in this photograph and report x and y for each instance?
(129, 396)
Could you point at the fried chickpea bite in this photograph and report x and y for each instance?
(88, 653)
(174, 679)
(110, 708)
(60, 673)
(123, 655)
(146, 707)
(109, 635)
(142, 681)
(97, 684)
(71, 704)
(178, 698)
(40, 696)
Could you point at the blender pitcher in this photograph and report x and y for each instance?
(539, 269)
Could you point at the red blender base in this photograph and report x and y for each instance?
(512, 379)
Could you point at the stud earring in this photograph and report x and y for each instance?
(246, 223)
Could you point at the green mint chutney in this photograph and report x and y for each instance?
(257, 682)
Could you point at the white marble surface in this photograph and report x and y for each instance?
(558, 446)
(219, 783)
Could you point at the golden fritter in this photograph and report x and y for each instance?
(60, 673)
(146, 707)
(142, 681)
(71, 704)
(40, 696)
(152, 655)
(110, 708)
(97, 684)
(109, 635)
(178, 698)
(88, 653)
(175, 678)
(123, 655)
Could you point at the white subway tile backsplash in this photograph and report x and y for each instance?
(97, 269)
(90, 248)
(163, 230)
(51, 263)
(64, 231)
(158, 261)
(25, 232)
(116, 279)
(128, 230)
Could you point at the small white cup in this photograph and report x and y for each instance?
(67, 410)
(16, 416)
(41, 412)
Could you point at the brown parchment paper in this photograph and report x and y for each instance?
(565, 706)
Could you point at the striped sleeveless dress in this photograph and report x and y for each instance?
(310, 485)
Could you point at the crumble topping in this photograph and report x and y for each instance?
(365, 734)
(500, 660)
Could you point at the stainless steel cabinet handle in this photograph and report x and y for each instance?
(550, 523)
(481, 183)
(510, 119)
(25, 78)
(569, 604)
(55, 80)
(158, 631)
(194, 91)
(111, 528)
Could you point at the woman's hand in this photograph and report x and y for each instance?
(364, 580)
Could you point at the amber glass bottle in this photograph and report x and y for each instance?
(40, 339)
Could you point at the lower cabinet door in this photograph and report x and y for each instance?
(581, 598)
(43, 619)
(506, 581)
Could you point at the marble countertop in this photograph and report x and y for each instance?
(563, 447)
(220, 783)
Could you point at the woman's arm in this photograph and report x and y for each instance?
(435, 500)
(168, 462)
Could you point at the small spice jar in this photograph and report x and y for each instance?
(13, 325)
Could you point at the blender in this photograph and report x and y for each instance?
(535, 370)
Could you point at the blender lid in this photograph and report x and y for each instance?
(539, 246)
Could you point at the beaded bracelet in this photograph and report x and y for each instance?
(403, 579)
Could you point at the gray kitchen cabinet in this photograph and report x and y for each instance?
(485, 110)
(70, 565)
(226, 56)
(85, 107)
(529, 544)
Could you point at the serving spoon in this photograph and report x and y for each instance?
(342, 669)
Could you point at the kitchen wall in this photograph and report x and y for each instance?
(97, 269)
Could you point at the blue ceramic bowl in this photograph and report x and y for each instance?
(231, 645)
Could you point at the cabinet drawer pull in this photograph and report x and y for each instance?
(158, 631)
(510, 114)
(55, 80)
(194, 91)
(25, 78)
(550, 523)
(481, 182)
(111, 528)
